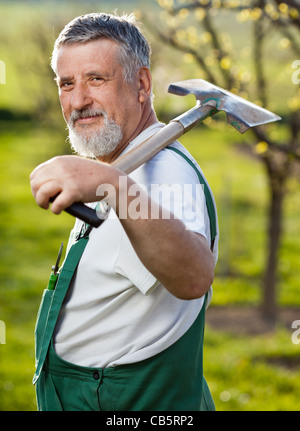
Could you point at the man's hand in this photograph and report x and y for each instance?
(69, 179)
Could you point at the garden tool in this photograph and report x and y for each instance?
(210, 99)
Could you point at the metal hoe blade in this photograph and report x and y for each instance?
(241, 113)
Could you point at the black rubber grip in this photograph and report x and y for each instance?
(83, 212)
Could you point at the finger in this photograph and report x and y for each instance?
(45, 192)
(34, 182)
(62, 201)
(38, 176)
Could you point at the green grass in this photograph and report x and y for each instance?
(258, 373)
(29, 241)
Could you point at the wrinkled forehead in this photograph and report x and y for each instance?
(78, 53)
(101, 54)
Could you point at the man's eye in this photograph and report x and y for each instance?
(96, 80)
(66, 85)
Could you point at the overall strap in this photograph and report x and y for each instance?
(59, 293)
(208, 197)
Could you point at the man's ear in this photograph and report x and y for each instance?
(145, 84)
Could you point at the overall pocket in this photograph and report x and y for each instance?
(42, 317)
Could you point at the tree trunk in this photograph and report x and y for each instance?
(277, 177)
(269, 304)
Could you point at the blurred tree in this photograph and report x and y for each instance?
(34, 72)
(201, 29)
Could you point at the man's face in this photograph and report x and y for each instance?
(101, 109)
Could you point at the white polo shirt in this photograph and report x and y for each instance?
(116, 312)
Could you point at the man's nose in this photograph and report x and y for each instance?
(81, 97)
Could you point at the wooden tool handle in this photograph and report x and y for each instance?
(129, 162)
(139, 155)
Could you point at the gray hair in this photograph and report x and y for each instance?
(134, 51)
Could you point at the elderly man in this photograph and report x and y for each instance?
(123, 328)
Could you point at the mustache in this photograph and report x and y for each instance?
(84, 113)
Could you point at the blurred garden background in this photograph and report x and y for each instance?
(250, 47)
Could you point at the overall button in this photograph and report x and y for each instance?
(96, 375)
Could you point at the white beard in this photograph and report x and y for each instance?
(100, 142)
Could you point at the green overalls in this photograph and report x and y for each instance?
(169, 381)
